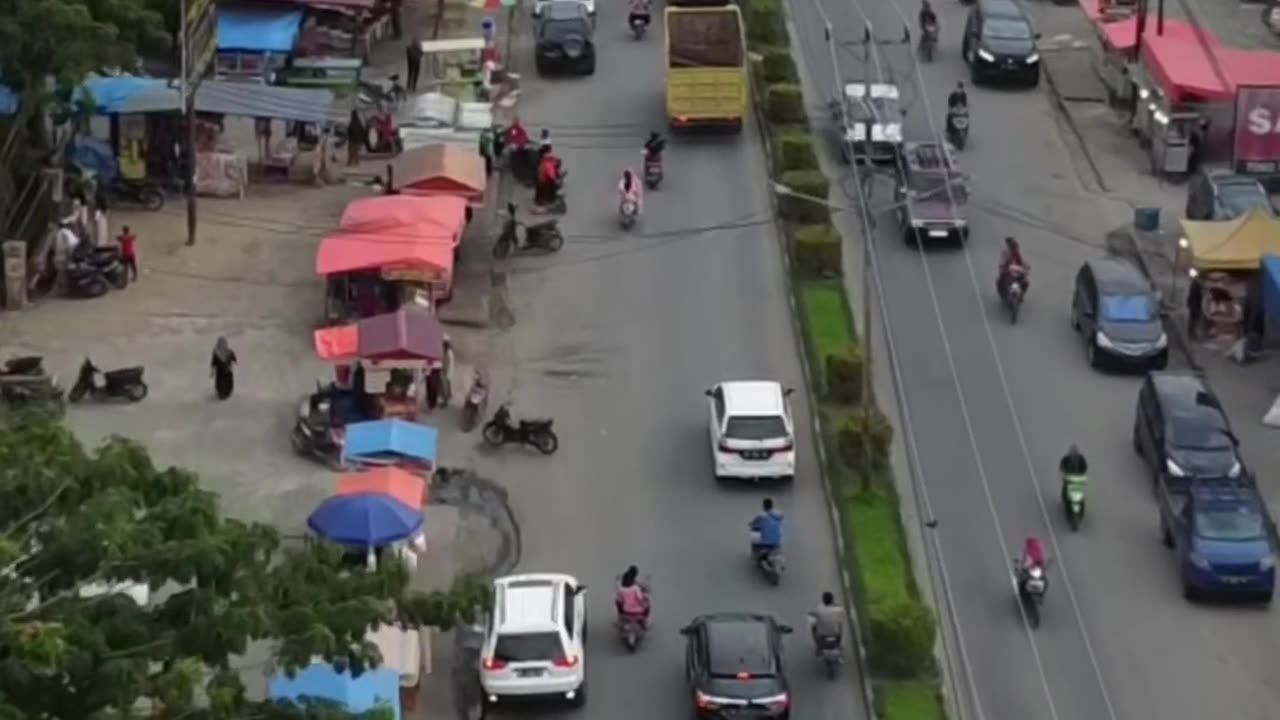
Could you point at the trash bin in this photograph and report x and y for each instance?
(1146, 219)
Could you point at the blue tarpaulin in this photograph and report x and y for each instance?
(365, 520)
(95, 154)
(108, 93)
(390, 442)
(259, 29)
(373, 689)
(1270, 282)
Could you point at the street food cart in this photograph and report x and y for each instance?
(454, 66)
(391, 443)
(1226, 257)
(390, 251)
(1179, 86)
(1118, 39)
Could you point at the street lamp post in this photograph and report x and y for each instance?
(866, 276)
(1183, 245)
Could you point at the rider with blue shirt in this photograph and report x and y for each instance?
(767, 527)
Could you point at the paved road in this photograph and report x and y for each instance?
(994, 406)
(617, 337)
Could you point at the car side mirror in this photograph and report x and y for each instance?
(687, 630)
(579, 589)
(785, 629)
(788, 392)
(1039, 35)
(708, 393)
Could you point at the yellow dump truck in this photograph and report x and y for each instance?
(706, 67)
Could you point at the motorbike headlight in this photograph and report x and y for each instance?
(1198, 561)
(986, 55)
(1173, 469)
(1103, 341)
(1033, 58)
(1267, 562)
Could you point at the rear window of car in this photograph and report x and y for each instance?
(739, 650)
(1239, 198)
(755, 427)
(525, 647)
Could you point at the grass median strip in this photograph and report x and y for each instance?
(909, 700)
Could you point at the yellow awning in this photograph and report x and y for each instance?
(1232, 245)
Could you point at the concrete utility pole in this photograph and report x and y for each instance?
(189, 118)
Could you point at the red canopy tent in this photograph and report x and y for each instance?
(390, 481)
(445, 214)
(410, 333)
(1185, 70)
(442, 170)
(1122, 35)
(1251, 67)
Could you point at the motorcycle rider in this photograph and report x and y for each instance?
(958, 98)
(767, 527)
(1074, 469)
(1032, 563)
(826, 621)
(653, 147)
(631, 600)
(630, 189)
(638, 11)
(1010, 259)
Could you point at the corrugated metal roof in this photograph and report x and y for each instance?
(245, 100)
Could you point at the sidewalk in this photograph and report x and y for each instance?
(1112, 166)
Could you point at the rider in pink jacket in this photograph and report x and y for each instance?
(630, 188)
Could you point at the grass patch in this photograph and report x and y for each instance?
(906, 700)
(827, 321)
(874, 531)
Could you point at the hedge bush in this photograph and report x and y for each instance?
(815, 251)
(765, 23)
(793, 149)
(784, 103)
(865, 430)
(901, 639)
(806, 206)
(842, 373)
(778, 66)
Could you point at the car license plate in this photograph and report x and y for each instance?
(756, 455)
(1234, 580)
(528, 673)
(937, 233)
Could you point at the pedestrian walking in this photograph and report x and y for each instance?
(128, 243)
(356, 137)
(435, 387)
(487, 136)
(223, 364)
(413, 59)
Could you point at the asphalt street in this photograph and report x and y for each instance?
(993, 406)
(616, 338)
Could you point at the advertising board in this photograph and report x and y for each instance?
(1256, 146)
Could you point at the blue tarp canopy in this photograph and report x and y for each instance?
(108, 93)
(390, 442)
(365, 520)
(1271, 292)
(373, 689)
(259, 29)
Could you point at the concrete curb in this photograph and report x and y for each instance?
(815, 415)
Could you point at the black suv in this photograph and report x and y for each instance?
(1000, 43)
(564, 39)
(1117, 313)
(733, 662)
(1182, 432)
(1224, 195)
(933, 195)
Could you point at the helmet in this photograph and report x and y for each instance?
(828, 598)
(767, 504)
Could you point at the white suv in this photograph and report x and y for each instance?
(534, 638)
(752, 435)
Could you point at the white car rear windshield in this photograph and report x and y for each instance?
(755, 427)
(528, 647)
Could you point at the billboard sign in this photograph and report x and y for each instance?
(201, 29)
(1256, 147)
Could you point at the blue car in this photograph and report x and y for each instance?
(1223, 537)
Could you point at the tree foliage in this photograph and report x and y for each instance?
(75, 527)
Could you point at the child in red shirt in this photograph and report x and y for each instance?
(129, 250)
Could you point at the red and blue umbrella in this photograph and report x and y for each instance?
(366, 520)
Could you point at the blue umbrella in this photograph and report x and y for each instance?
(364, 520)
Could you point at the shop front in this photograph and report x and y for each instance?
(1227, 294)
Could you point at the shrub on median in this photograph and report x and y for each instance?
(766, 24)
(777, 65)
(863, 441)
(902, 639)
(843, 374)
(815, 251)
(806, 205)
(784, 103)
(793, 149)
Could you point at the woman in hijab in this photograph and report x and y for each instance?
(224, 358)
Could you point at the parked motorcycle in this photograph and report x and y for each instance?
(107, 261)
(1014, 291)
(122, 384)
(958, 127)
(86, 281)
(770, 562)
(1073, 499)
(928, 42)
(313, 432)
(536, 432)
(544, 236)
(1031, 585)
(473, 407)
(628, 212)
(140, 193)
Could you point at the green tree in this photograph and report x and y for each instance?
(74, 524)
